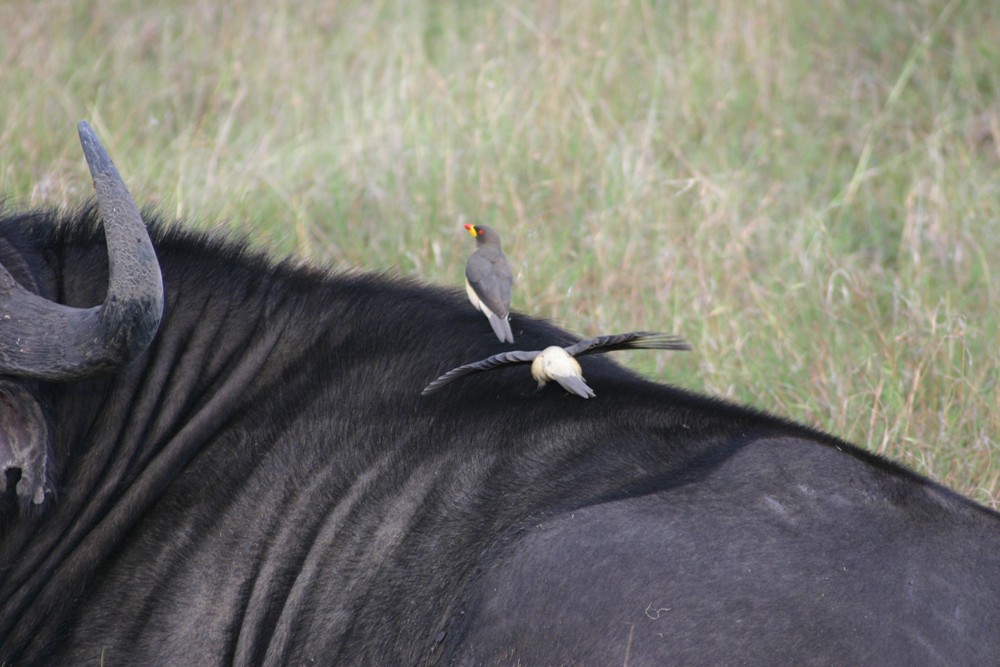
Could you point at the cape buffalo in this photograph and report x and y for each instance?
(255, 478)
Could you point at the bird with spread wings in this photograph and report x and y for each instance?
(559, 363)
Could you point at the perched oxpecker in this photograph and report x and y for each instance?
(558, 363)
(488, 281)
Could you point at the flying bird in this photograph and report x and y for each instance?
(488, 280)
(559, 363)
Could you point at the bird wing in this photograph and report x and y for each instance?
(635, 340)
(502, 359)
(490, 276)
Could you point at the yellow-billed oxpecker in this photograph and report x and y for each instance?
(488, 281)
(558, 363)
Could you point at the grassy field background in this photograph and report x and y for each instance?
(810, 193)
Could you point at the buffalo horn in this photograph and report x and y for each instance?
(46, 340)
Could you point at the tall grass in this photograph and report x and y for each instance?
(809, 193)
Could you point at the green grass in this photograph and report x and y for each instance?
(809, 193)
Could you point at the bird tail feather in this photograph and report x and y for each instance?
(501, 327)
(576, 385)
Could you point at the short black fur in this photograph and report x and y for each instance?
(266, 484)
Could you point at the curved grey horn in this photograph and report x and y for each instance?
(45, 340)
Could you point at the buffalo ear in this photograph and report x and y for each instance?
(25, 445)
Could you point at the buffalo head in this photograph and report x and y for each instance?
(41, 340)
